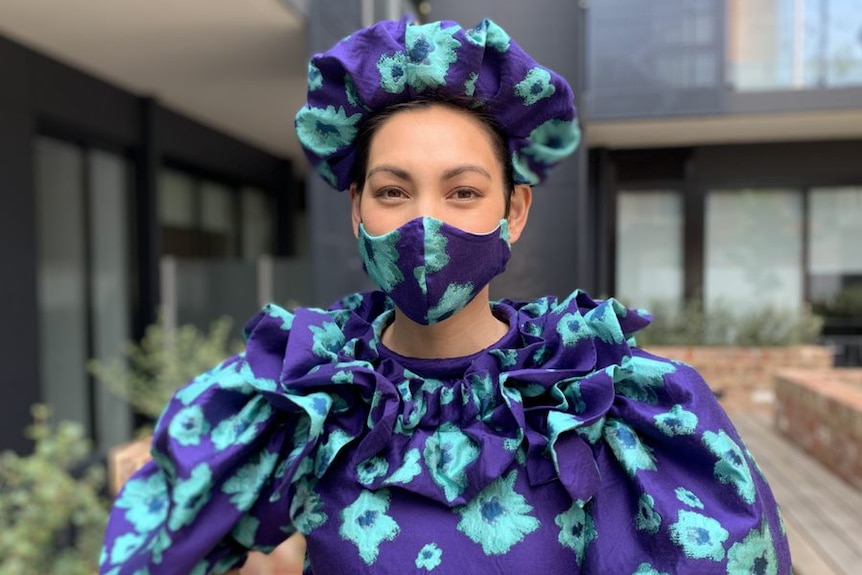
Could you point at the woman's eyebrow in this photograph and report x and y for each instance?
(458, 170)
(395, 171)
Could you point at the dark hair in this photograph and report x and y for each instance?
(493, 128)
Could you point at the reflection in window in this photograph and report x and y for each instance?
(834, 254)
(794, 44)
(753, 244)
(649, 265)
(201, 218)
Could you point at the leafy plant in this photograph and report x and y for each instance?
(53, 511)
(164, 360)
(722, 324)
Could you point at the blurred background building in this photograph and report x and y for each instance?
(147, 159)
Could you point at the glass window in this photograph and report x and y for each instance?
(219, 220)
(753, 248)
(649, 260)
(62, 280)
(110, 253)
(835, 237)
(258, 223)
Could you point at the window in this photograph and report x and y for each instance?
(83, 199)
(202, 218)
(649, 264)
(753, 243)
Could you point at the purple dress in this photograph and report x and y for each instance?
(561, 449)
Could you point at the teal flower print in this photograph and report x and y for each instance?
(454, 298)
(328, 339)
(647, 569)
(125, 546)
(553, 141)
(487, 33)
(408, 471)
(315, 78)
(523, 173)
(628, 447)
(393, 72)
(447, 395)
(448, 453)
(365, 523)
(242, 427)
(342, 377)
(689, 498)
(572, 328)
(190, 495)
(535, 86)
(306, 508)
(212, 378)
(371, 469)
(577, 530)
(380, 254)
(647, 518)
(350, 91)
(282, 314)
(244, 485)
(699, 536)
(731, 467)
(245, 530)
(506, 357)
(327, 174)
(158, 545)
(677, 421)
(430, 51)
(326, 130)
(647, 379)
(145, 501)
(604, 323)
(436, 257)
(188, 425)
(429, 557)
(498, 517)
(755, 554)
(470, 84)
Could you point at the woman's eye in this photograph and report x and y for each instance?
(465, 194)
(389, 193)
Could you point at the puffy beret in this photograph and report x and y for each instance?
(397, 61)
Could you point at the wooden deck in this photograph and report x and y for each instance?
(822, 513)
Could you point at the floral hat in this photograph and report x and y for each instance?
(398, 61)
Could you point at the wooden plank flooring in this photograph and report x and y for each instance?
(823, 514)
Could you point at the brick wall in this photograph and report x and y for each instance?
(744, 377)
(821, 411)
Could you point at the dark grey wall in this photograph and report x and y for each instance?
(18, 308)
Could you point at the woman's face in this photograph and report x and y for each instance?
(435, 161)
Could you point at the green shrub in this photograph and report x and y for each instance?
(52, 510)
(722, 324)
(846, 304)
(163, 361)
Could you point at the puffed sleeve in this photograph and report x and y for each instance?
(220, 480)
(680, 491)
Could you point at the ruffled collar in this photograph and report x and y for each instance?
(445, 429)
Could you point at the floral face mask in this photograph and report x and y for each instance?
(430, 269)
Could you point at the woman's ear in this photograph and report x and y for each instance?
(355, 200)
(519, 210)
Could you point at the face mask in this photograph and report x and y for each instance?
(430, 269)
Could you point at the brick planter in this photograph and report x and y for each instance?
(821, 412)
(744, 377)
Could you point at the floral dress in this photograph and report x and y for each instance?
(561, 449)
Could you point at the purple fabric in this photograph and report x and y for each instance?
(561, 449)
(400, 61)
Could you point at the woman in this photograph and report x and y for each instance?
(423, 428)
